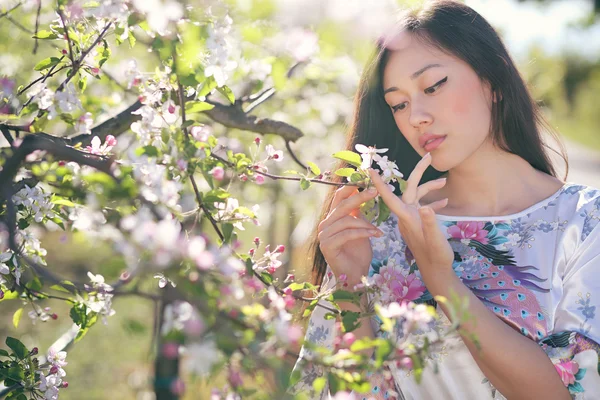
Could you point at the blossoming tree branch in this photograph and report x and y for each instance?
(124, 182)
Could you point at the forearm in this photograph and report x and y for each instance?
(513, 363)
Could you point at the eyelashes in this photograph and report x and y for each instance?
(429, 90)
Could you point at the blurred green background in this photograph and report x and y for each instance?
(555, 43)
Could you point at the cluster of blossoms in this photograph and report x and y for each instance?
(102, 149)
(51, 377)
(35, 202)
(56, 103)
(269, 261)
(100, 298)
(30, 246)
(230, 211)
(260, 166)
(218, 63)
(389, 169)
(393, 286)
(41, 314)
(160, 14)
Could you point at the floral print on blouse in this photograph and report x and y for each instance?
(537, 270)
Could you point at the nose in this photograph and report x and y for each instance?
(419, 116)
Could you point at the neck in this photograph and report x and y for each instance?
(494, 182)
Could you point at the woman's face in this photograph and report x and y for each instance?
(429, 91)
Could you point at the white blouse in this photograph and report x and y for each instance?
(538, 270)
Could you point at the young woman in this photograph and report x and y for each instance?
(499, 227)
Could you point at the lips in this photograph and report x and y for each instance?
(428, 137)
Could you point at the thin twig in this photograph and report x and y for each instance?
(79, 62)
(11, 10)
(68, 38)
(37, 25)
(289, 148)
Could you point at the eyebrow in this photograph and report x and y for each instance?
(413, 76)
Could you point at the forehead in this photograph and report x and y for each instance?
(409, 54)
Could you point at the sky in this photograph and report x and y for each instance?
(527, 23)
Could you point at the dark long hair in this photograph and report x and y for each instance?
(454, 28)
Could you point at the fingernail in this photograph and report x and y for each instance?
(442, 179)
(427, 155)
(372, 190)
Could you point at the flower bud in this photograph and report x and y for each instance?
(259, 179)
(1, 294)
(280, 249)
(110, 140)
(349, 338)
(34, 351)
(54, 316)
(125, 276)
(257, 241)
(65, 384)
(53, 370)
(257, 140)
(251, 252)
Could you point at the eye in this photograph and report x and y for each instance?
(433, 88)
(399, 107)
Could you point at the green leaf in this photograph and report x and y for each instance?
(14, 373)
(384, 213)
(228, 232)
(350, 157)
(60, 288)
(10, 295)
(356, 177)
(279, 74)
(350, 320)
(17, 317)
(319, 384)
(267, 277)
(304, 183)
(46, 63)
(131, 38)
(343, 295)
(226, 91)
(301, 286)
(45, 35)
(345, 172)
(63, 202)
(17, 347)
(313, 168)
(197, 106)
(35, 284)
(335, 383)
(3, 353)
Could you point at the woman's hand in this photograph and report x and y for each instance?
(417, 224)
(344, 235)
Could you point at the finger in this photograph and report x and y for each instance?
(341, 194)
(344, 223)
(431, 231)
(347, 206)
(337, 241)
(429, 186)
(410, 194)
(393, 202)
(437, 205)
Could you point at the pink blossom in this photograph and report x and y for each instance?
(218, 173)
(567, 371)
(397, 287)
(469, 230)
(259, 179)
(110, 140)
(170, 350)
